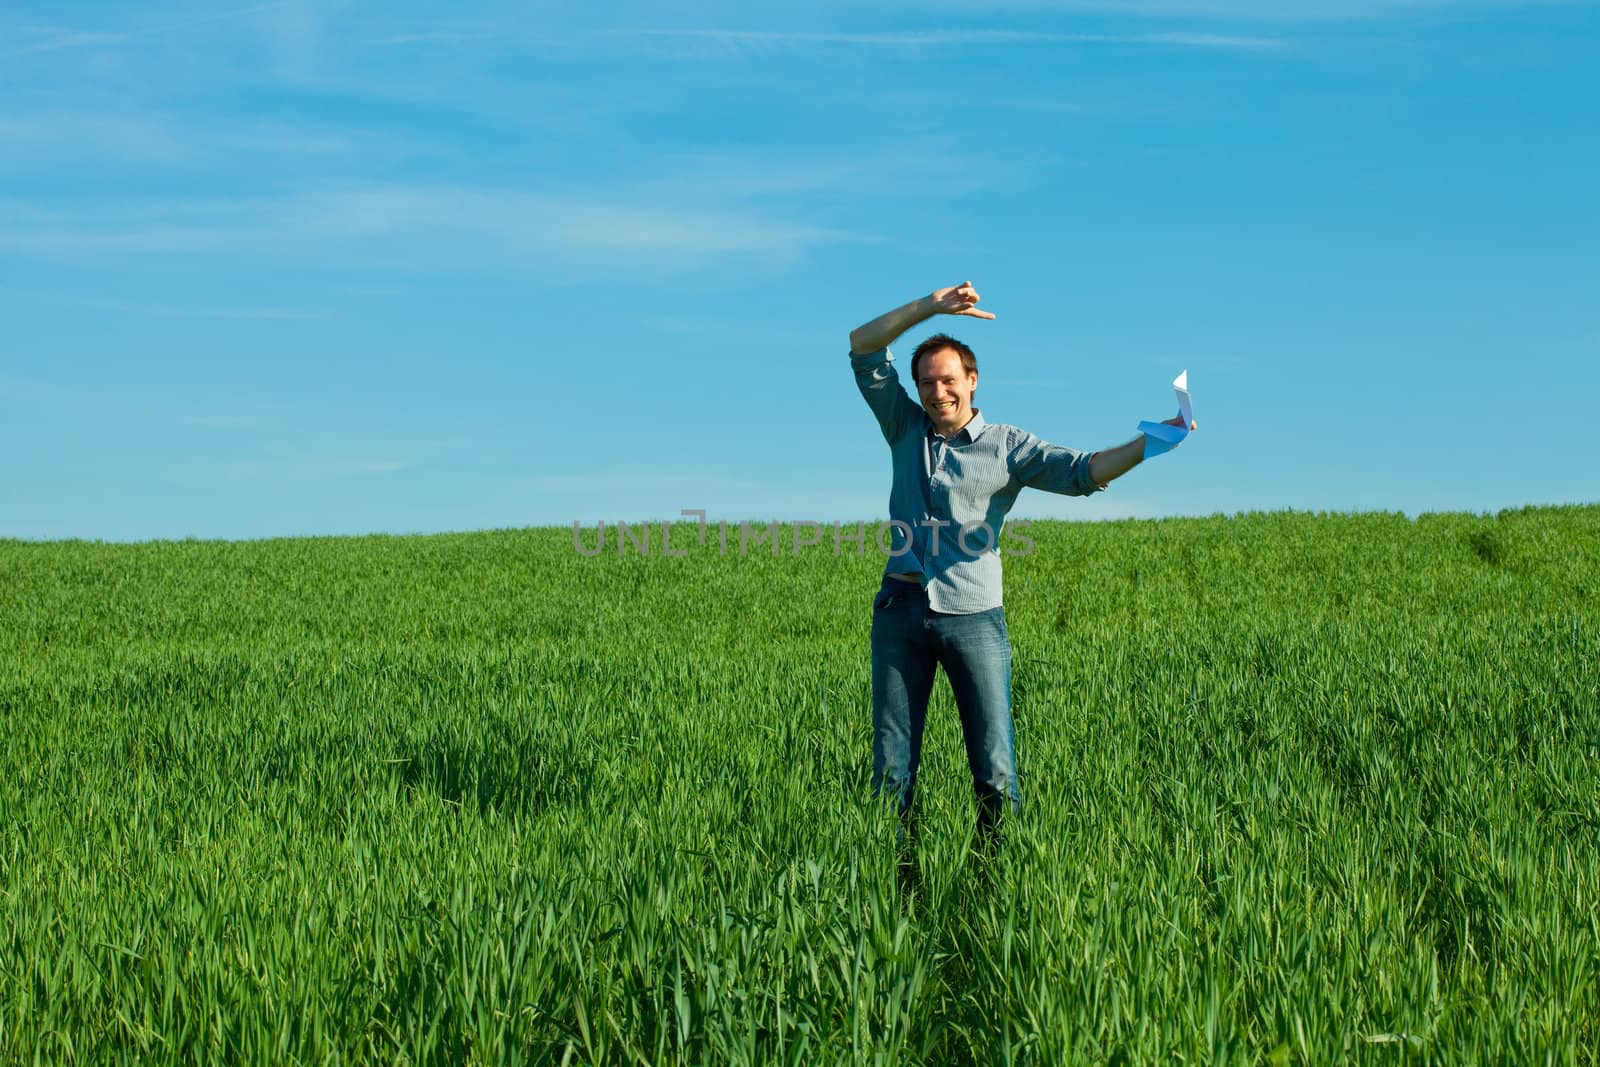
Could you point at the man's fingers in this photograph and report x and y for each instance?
(960, 300)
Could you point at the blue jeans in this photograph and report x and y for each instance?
(908, 642)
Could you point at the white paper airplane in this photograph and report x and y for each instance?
(1162, 437)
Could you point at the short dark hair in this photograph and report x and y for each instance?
(938, 343)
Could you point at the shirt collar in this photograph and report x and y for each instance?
(971, 430)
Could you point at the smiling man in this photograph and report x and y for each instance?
(956, 477)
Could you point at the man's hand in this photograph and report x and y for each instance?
(1177, 420)
(959, 300)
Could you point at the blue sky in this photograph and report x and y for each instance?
(316, 268)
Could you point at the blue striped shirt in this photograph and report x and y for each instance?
(950, 496)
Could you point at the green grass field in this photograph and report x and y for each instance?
(1297, 788)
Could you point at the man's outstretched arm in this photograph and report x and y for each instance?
(956, 300)
(1112, 463)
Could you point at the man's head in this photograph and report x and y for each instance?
(946, 373)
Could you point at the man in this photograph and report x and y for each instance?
(956, 477)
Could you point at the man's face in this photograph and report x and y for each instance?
(946, 390)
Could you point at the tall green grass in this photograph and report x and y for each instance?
(1297, 788)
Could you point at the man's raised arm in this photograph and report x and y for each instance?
(956, 300)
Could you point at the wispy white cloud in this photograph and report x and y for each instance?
(548, 220)
(395, 40)
(977, 36)
(720, 176)
(1264, 11)
(295, 33)
(419, 227)
(179, 311)
(35, 141)
(31, 141)
(233, 423)
(306, 470)
(32, 40)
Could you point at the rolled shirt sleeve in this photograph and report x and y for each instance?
(879, 383)
(1038, 464)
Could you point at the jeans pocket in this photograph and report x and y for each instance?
(884, 599)
(999, 617)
